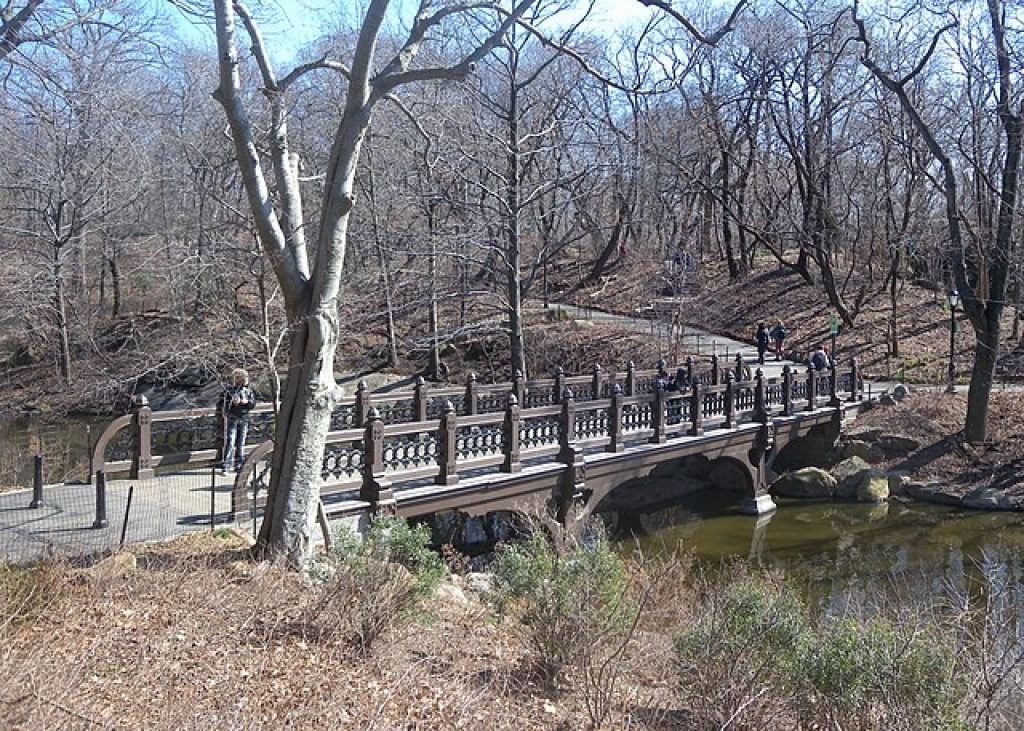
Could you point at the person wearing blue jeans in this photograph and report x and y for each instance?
(237, 402)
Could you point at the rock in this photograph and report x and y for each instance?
(900, 391)
(932, 492)
(479, 583)
(864, 434)
(446, 527)
(987, 498)
(809, 482)
(897, 444)
(876, 490)
(865, 450)
(499, 525)
(474, 531)
(897, 483)
(852, 477)
(450, 593)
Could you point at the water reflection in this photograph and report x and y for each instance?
(63, 442)
(853, 557)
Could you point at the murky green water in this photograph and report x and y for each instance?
(864, 555)
(64, 444)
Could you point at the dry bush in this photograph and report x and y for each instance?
(373, 583)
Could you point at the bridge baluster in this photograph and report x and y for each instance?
(730, 398)
(854, 380)
(419, 400)
(142, 428)
(812, 389)
(696, 409)
(787, 390)
(760, 398)
(658, 416)
(595, 382)
(571, 485)
(447, 456)
(472, 392)
(833, 385)
(510, 436)
(375, 488)
(560, 387)
(615, 421)
(567, 427)
(362, 404)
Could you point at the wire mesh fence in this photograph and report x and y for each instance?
(77, 519)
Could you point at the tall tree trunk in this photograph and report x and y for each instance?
(60, 316)
(303, 421)
(513, 253)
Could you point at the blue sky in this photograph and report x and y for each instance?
(296, 23)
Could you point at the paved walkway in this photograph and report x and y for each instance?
(701, 342)
(66, 523)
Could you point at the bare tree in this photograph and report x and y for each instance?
(310, 281)
(982, 286)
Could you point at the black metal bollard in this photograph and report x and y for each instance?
(101, 500)
(37, 483)
(127, 512)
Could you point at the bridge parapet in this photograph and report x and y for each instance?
(439, 435)
(383, 462)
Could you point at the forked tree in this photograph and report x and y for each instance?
(982, 283)
(310, 275)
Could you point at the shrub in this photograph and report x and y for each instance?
(859, 667)
(736, 656)
(564, 602)
(753, 651)
(373, 582)
(27, 593)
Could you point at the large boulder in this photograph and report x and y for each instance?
(987, 498)
(897, 444)
(865, 450)
(809, 482)
(875, 491)
(852, 477)
(863, 433)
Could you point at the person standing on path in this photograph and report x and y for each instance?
(779, 339)
(238, 400)
(762, 341)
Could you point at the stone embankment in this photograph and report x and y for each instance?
(858, 467)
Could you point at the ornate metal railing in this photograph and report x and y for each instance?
(438, 451)
(422, 434)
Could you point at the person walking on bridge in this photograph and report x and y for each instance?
(779, 339)
(236, 403)
(762, 341)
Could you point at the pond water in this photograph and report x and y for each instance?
(850, 556)
(64, 443)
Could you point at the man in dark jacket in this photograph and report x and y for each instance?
(237, 402)
(820, 360)
(762, 341)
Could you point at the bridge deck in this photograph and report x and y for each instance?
(172, 503)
